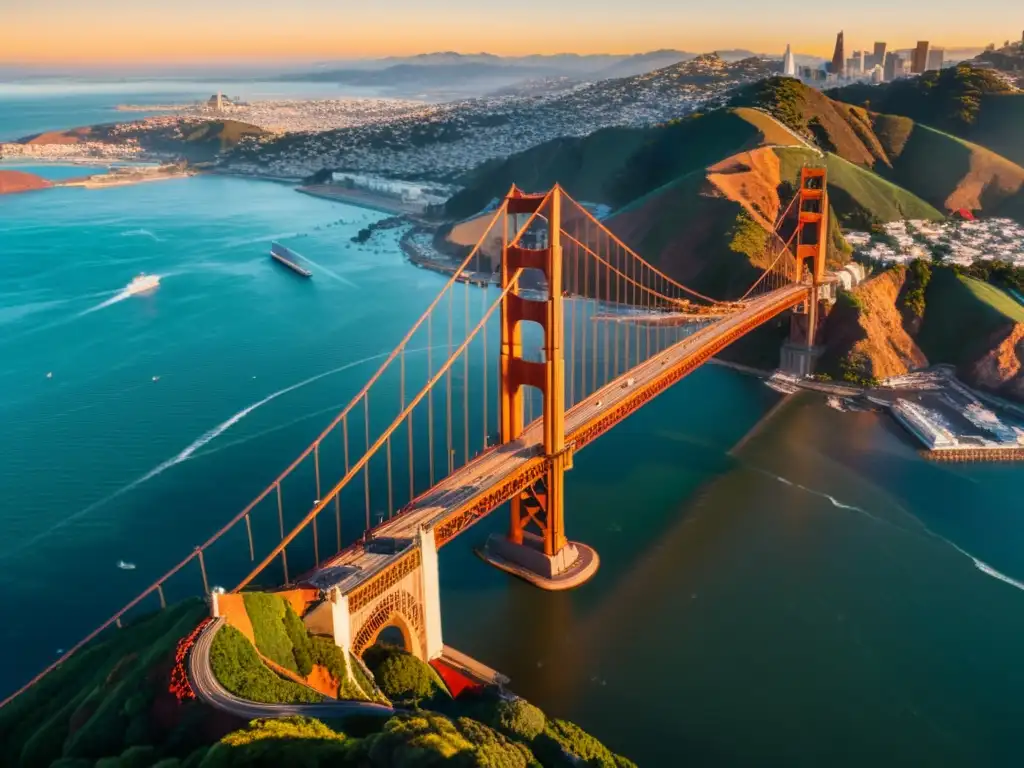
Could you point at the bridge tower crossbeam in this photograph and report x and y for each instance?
(536, 547)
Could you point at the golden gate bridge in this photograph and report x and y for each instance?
(586, 332)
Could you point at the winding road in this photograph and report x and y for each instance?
(210, 691)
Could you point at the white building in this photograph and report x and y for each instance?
(789, 63)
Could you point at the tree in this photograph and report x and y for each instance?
(520, 718)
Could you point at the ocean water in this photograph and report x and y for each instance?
(813, 594)
(47, 104)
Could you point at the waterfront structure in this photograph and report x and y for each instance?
(550, 409)
(924, 424)
(839, 57)
(789, 63)
(919, 58)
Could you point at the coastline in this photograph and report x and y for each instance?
(361, 198)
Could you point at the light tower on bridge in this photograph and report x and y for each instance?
(536, 547)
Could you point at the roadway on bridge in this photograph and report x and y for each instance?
(355, 566)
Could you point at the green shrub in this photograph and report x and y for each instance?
(519, 718)
(403, 677)
(72, 762)
(747, 236)
(267, 614)
(919, 275)
(282, 728)
(361, 679)
(300, 640)
(168, 762)
(138, 757)
(330, 656)
(108, 762)
(429, 738)
(561, 736)
(239, 669)
(292, 741)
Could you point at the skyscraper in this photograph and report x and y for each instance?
(936, 58)
(839, 57)
(878, 57)
(893, 67)
(919, 61)
(789, 63)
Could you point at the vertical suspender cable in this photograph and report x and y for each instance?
(366, 466)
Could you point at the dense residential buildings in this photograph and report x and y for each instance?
(438, 142)
(952, 242)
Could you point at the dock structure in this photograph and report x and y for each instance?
(289, 258)
(960, 455)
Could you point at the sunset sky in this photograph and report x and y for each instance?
(144, 31)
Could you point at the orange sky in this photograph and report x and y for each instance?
(108, 31)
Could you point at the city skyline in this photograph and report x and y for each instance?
(117, 31)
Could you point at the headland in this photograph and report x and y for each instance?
(20, 181)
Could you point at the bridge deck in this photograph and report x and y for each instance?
(493, 469)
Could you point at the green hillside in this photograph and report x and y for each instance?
(968, 102)
(949, 172)
(115, 704)
(106, 699)
(612, 166)
(944, 170)
(961, 315)
(858, 195)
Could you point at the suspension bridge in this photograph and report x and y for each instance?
(585, 332)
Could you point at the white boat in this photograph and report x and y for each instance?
(142, 283)
(125, 566)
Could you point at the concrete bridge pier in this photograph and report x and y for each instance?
(406, 596)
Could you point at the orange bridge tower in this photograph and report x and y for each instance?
(536, 547)
(812, 234)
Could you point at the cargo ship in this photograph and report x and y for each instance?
(289, 258)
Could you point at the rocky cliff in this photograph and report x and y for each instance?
(867, 334)
(1001, 369)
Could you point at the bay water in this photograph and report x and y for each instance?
(799, 591)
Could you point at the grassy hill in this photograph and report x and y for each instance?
(615, 165)
(974, 104)
(858, 195)
(936, 166)
(116, 704)
(961, 315)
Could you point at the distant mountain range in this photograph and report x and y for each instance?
(479, 73)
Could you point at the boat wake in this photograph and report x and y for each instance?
(189, 451)
(330, 273)
(981, 565)
(142, 233)
(124, 293)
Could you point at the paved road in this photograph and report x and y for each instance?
(355, 566)
(210, 691)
